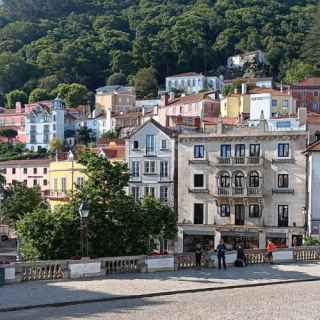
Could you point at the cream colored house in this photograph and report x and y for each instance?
(245, 185)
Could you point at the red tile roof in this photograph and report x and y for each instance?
(269, 90)
(186, 74)
(191, 99)
(313, 147)
(313, 118)
(32, 162)
(309, 82)
(227, 120)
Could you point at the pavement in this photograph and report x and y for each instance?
(40, 294)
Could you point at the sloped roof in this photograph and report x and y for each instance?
(186, 74)
(274, 92)
(313, 118)
(110, 89)
(167, 131)
(313, 147)
(191, 99)
(31, 162)
(309, 82)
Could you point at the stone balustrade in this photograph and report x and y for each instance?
(76, 269)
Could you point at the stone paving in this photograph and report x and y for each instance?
(42, 293)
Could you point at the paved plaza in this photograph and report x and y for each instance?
(126, 285)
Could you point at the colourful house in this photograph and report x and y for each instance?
(64, 177)
(234, 105)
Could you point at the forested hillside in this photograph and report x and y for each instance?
(47, 42)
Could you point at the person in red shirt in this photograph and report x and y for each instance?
(269, 252)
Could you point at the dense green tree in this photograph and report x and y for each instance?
(117, 79)
(19, 200)
(16, 96)
(9, 133)
(84, 135)
(111, 134)
(73, 94)
(297, 71)
(146, 83)
(46, 234)
(38, 95)
(311, 49)
(55, 146)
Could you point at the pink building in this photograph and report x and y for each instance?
(31, 172)
(197, 106)
(15, 118)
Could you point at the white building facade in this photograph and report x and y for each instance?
(43, 124)
(245, 186)
(150, 153)
(239, 60)
(193, 83)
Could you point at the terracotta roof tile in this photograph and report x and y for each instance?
(32, 162)
(186, 74)
(191, 99)
(313, 118)
(269, 90)
(309, 82)
(313, 147)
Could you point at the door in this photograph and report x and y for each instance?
(239, 214)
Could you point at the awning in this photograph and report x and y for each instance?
(239, 234)
(276, 235)
(198, 232)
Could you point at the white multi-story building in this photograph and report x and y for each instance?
(239, 60)
(193, 83)
(244, 185)
(150, 153)
(43, 124)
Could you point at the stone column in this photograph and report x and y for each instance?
(262, 240)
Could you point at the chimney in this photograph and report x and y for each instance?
(243, 88)
(164, 100)
(18, 107)
(302, 116)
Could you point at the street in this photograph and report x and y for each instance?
(281, 302)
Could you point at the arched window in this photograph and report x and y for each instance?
(254, 180)
(238, 180)
(224, 180)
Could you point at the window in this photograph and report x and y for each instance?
(198, 151)
(46, 133)
(45, 182)
(135, 168)
(164, 144)
(254, 150)
(163, 194)
(45, 170)
(274, 103)
(198, 213)
(286, 104)
(35, 170)
(55, 184)
(239, 150)
(151, 144)
(254, 180)
(4, 171)
(254, 211)
(149, 192)
(135, 191)
(149, 167)
(315, 93)
(80, 181)
(25, 170)
(283, 150)
(164, 172)
(25, 182)
(35, 182)
(283, 180)
(13, 170)
(33, 134)
(135, 144)
(238, 180)
(225, 180)
(225, 151)
(198, 180)
(64, 184)
(225, 210)
(283, 215)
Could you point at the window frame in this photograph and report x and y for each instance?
(225, 210)
(239, 150)
(135, 145)
(281, 176)
(254, 213)
(281, 148)
(254, 147)
(194, 180)
(283, 215)
(135, 168)
(198, 217)
(164, 191)
(164, 168)
(199, 151)
(225, 151)
(254, 179)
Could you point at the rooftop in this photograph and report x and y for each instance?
(111, 89)
(309, 82)
(274, 92)
(313, 147)
(186, 74)
(32, 162)
(191, 99)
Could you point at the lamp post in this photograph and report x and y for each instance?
(305, 214)
(84, 213)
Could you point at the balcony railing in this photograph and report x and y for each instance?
(240, 161)
(239, 191)
(56, 194)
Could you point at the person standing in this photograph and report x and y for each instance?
(221, 250)
(198, 255)
(269, 252)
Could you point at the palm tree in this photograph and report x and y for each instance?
(55, 145)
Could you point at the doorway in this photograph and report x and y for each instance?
(239, 214)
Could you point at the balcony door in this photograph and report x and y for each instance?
(239, 214)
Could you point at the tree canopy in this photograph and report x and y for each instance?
(44, 43)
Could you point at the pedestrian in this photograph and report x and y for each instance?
(198, 255)
(221, 249)
(269, 252)
(241, 258)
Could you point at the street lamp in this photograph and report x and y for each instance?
(305, 214)
(84, 213)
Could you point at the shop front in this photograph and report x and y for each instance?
(191, 238)
(234, 239)
(278, 239)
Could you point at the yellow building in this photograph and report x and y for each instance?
(64, 177)
(235, 104)
(115, 99)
